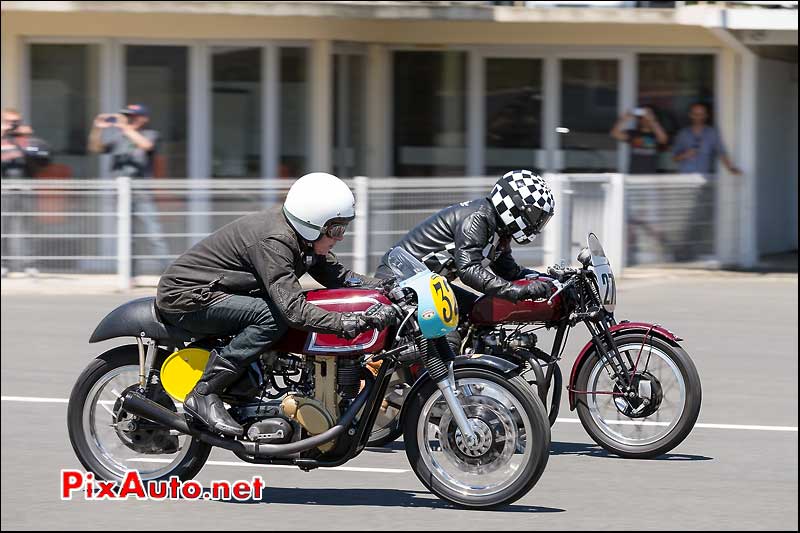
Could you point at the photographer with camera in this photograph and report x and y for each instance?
(23, 154)
(645, 137)
(23, 157)
(133, 150)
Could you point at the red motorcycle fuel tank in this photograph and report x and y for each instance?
(341, 301)
(490, 310)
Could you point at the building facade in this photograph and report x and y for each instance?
(416, 89)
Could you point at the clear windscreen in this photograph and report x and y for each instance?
(404, 265)
(605, 276)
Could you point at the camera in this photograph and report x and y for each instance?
(111, 120)
(639, 112)
(13, 127)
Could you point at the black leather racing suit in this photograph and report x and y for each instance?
(455, 242)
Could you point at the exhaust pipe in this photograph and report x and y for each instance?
(138, 405)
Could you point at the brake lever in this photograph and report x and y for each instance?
(559, 291)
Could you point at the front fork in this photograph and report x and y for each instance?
(623, 376)
(438, 360)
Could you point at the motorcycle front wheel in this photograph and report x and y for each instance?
(511, 451)
(109, 441)
(662, 410)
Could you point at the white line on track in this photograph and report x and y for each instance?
(250, 465)
(32, 399)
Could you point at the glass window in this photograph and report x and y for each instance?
(64, 100)
(430, 113)
(670, 83)
(236, 112)
(155, 76)
(294, 102)
(513, 115)
(349, 99)
(589, 95)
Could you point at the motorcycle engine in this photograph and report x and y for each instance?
(336, 383)
(264, 423)
(498, 342)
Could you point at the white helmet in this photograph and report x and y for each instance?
(319, 203)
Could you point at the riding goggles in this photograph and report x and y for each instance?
(334, 230)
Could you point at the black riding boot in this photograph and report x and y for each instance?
(203, 406)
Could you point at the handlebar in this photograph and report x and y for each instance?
(559, 273)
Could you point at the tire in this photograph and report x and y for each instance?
(611, 437)
(527, 414)
(120, 361)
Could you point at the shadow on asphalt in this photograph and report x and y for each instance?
(567, 448)
(593, 450)
(372, 498)
(392, 447)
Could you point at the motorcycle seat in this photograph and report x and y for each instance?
(140, 318)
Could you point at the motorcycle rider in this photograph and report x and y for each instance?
(243, 281)
(455, 241)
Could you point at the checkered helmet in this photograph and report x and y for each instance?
(524, 203)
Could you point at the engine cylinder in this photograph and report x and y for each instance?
(348, 378)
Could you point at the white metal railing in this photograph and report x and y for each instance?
(133, 227)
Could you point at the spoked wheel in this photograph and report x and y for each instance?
(110, 441)
(512, 447)
(656, 414)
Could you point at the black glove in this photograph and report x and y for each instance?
(378, 317)
(384, 285)
(534, 291)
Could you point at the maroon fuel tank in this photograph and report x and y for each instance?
(490, 310)
(341, 301)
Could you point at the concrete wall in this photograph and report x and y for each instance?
(776, 138)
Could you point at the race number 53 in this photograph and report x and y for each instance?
(444, 300)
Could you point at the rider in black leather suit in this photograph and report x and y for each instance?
(458, 240)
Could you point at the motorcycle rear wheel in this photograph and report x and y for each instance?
(674, 404)
(95, 420)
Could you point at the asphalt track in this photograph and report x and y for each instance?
(736, 471)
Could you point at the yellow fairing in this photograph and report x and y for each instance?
(182, 370)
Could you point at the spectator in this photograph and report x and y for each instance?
(644, 139)
(696, 150)
(698, 146)
(133, 150)
(23, 156)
